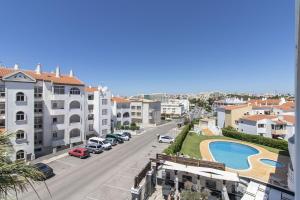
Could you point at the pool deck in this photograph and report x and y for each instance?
(257, 170)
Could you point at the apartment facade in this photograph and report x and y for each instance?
(98, 111)
(121, 112)
(45, 110)
(172, 108)
(145, 112)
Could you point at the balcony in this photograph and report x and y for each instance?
(279, 132)
(21, 141)
(75, 139)
(58, 126)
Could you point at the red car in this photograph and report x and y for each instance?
(79, 152)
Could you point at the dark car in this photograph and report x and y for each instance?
(118, 138)
(45, 169)
(127, 134)
(112, 141)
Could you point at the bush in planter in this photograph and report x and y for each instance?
(257, 139)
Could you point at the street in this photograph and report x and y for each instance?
(104, 176)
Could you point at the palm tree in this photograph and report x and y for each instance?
(15, 176)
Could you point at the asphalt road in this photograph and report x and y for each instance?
(105, 176)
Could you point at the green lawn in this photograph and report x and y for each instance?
(191, 143)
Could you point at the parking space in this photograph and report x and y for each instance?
(108, 175)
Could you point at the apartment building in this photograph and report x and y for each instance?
(172, 108)
(145, 112)
(230, 115)
(45, 110)
(98, 111)
(121, 112)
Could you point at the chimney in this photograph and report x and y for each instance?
(57, 72)
(71, 73)
(16, 66)
(38, 69)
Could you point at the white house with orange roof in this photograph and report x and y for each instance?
(98, 111)
(121, 112)
(271, 126)
(45, 110)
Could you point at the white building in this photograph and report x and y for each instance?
(267, 125)
(98, 111)
(45, 110)
(121, 111)
(172, 108)
(145, 112)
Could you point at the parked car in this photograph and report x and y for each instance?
(79, 152)
(127, 134)
(124, 137)
(112, 141)
(165, 139)
(118, 138)
(45, 169)
(94, 148)
(101, 141)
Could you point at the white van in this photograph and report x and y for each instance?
(101, 141)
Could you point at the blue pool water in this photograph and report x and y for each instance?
(272, 162)
(233, 155)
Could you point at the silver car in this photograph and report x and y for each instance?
(94, 148)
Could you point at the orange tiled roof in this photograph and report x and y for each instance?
(235, 107)
(264, 102)
(120, 100)
(258, 117)
(289, 118)
(91, 89)
(45, 76)
(288, 106)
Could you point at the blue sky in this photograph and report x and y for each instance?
(156, 46)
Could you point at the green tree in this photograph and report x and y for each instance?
(15, 177)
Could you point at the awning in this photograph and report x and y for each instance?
(202, 171)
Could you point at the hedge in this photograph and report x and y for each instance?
(176, 146)
(257, 139)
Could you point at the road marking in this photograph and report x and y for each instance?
(116, 187)
(91, 198)
(54, 158)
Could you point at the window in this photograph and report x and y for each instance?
(133, 107)
(59, 89)
(104, 101)
(20, 116)
(75, 91)
(38, 122)
(261, 125)
(2, 91)
(90, 97)
(20, 135)
(38, 107)
(119, 115)
(54, 120)
(90, 117)
(104, 121)
(20, 97)
(20, 155)
(74, 133)
(75, 105)
(139, 114)
(74, 119)
(126, 114)
(104, 131)
(91, 127)
(104, 111)
(139, 107)
(133, 113)
(126, 123)
(54, 134)
(38, 91)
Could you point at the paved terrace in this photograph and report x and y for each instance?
(257, 170)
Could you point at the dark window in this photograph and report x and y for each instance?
(75, 91)
(20, 116)
(20, 96)
(59, 89)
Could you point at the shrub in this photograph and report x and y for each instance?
(257, 139)
(176, 146)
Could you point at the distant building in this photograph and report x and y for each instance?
(145, 112)
(120, 111)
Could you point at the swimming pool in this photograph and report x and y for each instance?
(233, 155)
(273, 163)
